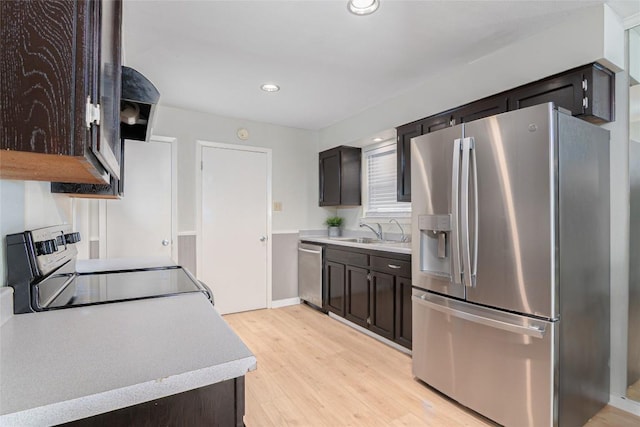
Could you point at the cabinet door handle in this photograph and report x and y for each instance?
(394, 266)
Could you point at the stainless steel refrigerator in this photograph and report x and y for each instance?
(510, 224)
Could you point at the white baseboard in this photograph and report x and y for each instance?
(625, 404)
(285, 302)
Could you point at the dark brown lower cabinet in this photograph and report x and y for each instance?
(358, 296)
(383, 308)
(220, 404)
(403, 311)
(370, 288)
(335, 287)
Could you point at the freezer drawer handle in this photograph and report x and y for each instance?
(394, 266)
(532, 331)
(310, 252)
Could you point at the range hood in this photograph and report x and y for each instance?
(138, 101)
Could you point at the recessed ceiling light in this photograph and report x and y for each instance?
(378, 139)
(363, 7)
(270, 87)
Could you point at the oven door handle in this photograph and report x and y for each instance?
(64, 286)
(207, 290)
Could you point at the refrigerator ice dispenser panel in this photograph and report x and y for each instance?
(435, 238)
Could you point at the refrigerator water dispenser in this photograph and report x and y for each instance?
(435, 242)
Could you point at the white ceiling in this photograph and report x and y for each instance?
(212, 56)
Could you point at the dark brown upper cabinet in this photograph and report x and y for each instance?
(113, 190)
(480, 109)
(138, 95)
(60, 90)
(403, 157)
(403, 151)
(587, 92)
(340, 170)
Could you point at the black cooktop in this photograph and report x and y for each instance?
(42, 273)
(98, 288)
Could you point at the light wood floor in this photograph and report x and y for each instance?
(633, 392)
(315, 371)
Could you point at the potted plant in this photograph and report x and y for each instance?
(334, 223)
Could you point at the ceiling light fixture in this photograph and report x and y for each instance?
(270, 87)
(378, 139)
(363, 7)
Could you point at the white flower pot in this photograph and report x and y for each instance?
(334, 231)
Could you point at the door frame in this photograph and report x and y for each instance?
(201, 145)
(102, 205)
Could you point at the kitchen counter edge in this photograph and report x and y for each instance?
(396, 247)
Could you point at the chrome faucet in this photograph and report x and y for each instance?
(377, 233)
(403, 238)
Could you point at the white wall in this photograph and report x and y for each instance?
(295, 163)
(619, 196)
(26, 205)
(42, 209)
(577, 41)
(11, 217)
(634, 60)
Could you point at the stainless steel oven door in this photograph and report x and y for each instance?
(496, 363)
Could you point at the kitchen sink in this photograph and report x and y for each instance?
(375, 243)
(358, 239)
(371, 240)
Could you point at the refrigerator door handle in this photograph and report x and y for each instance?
(455, 237)
(534, 331)
(474, 168)
(464, 213)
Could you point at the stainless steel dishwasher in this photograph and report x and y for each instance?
(310, 273)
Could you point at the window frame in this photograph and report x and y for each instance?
(401, 214)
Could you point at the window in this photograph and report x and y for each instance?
(380, 182)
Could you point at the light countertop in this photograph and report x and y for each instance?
(397, 247)
(62, 365)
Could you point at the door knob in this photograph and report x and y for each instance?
(263, 238)
(165, 242)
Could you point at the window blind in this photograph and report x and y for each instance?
(381, 178)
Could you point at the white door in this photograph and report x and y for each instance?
(234, 227)
(139, 224)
